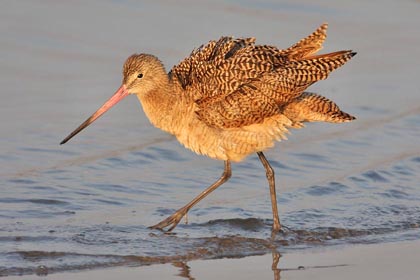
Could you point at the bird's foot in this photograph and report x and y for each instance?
(171, 221)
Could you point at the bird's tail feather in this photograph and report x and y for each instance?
(308, 45)
(311, 107)
(314, 68)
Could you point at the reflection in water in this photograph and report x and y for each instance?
(274, 266)
(52, 220)
(184, 270)
(199, 243)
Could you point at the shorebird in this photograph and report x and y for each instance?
(231, 98)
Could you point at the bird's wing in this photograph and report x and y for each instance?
(308, 45)
(237, 83)
(202, 62)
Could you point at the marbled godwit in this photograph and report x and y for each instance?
(231, 98)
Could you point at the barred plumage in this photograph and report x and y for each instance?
(236, 83)
(231, 98)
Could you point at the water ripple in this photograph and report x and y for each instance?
(330, 189)
(375, 176)
(29, 261)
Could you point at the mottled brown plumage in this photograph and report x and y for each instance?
(231, 98)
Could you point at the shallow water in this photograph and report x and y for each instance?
(88, 204)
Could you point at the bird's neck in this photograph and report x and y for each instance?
(165, 107)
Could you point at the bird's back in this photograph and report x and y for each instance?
(250, 94)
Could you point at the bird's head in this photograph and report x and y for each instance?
(142, 74)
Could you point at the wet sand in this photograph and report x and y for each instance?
(397, 260)
(82, 210)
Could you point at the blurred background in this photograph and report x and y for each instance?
(96, 195)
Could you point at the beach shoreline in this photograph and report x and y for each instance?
(393, 260)
(348, 195)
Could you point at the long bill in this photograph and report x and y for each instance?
(117, 97)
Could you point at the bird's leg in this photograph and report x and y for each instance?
(174, 219)
(270, 177)
(274, 265)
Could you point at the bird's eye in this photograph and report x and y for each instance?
(140, 76)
